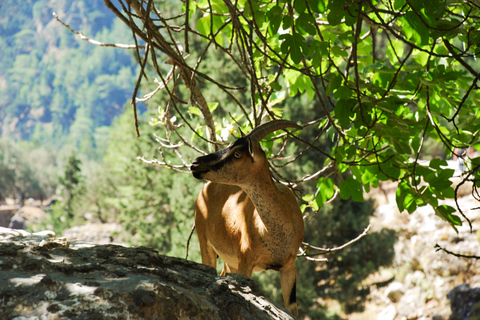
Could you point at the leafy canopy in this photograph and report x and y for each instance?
(387, 78)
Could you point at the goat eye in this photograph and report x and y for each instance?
(237, 154)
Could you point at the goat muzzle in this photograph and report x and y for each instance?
(197, 169)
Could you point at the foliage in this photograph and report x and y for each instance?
(377, 85)
(387, 76)
(72, 184)
(374, 83)
(69, 209)
(18, 177)
(54, 89)
(154, 204)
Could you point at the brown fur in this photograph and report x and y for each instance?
(249, 221)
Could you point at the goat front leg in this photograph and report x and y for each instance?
(209, 256)
(227, 269)
(288, 282)
(244, 267)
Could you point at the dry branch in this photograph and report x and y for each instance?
(95, 42)
(321, 251)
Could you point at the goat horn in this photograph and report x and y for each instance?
(261, 131)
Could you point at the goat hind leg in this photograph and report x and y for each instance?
(288, 281)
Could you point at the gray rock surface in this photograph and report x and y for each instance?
(6, 214)
(44, 277)
(98, 233)
(465, 302)
(423, 276)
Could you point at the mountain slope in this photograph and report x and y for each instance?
(53, 85)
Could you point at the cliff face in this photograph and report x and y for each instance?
(51, 278)
(423, 282)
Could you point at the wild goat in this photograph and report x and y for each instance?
(244, 217)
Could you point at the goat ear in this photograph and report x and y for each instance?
(250, 148)
(241, 132)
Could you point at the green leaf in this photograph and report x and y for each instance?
(351, 14)
(445, 212)
(208, 25)
(219, 7)
(328, 187)
(300, 6)
(339, 153)
(351, 188)
(390, 169)
(343, 93)
(343, 112)
(295, 44)
(437, 163)
(317, 6)
(196, 111)
(308, 197)
(334, 83)
(275, 86)
(336, 11)
(415, 29)
(212, 106)
(305, 23)
(405, 198)
(274, 16)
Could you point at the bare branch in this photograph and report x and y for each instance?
(308, 246)
(189, 237)
(458, 255)
(161, 86)
(95, 42)
(177, 168)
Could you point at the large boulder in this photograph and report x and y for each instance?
(51, 278)
(98, 233)
(6, 214)
(465, 302)
(26, 216)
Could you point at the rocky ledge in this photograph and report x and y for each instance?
(46, 277)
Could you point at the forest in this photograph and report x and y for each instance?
(69, 132)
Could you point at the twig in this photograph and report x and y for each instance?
(95, 42)
(189, 238)
(161, 85)
(308, 246)
(309, 258)
(459, 255)
(162, 163)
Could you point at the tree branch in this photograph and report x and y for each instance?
(308, 246)
(95, 42)
(458, 255)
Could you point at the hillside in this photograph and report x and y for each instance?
(53, 85)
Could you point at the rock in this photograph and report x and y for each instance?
(99, 233)
(389, 313)
(25, 216)
(44, 277)
(17, 222)
(6, 214)
(411, 303)
(395, 291)
(465, 302)
(414, 279)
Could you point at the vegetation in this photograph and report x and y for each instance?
(387, 76)
(54, 89)
(377, 86)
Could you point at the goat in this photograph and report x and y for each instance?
(244, 217)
